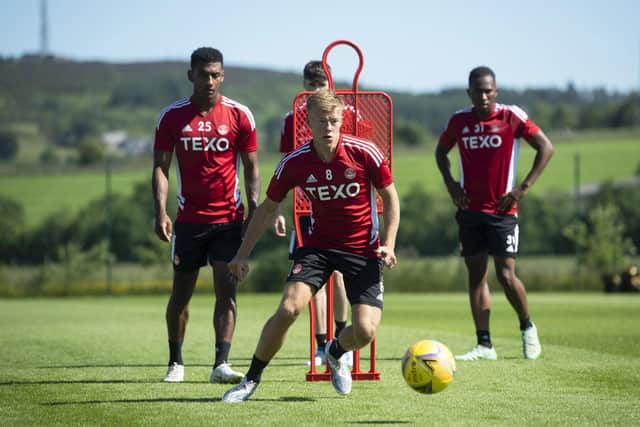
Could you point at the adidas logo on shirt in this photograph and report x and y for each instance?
(465, 130)
(311, 179)
(187, 128)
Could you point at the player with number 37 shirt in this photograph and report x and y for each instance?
(487, 199)
(489, 149)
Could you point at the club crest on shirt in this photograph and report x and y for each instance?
(296, 269)
(349, 173)
(223, 130)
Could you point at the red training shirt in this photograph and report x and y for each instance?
(344, 214)
(488, 151)
(207, 150)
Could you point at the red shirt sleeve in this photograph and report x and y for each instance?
(247, 138)
(448, 136)
(164, 140)
(380, 173)
(281, 183)
(523, 126)
(528, 129)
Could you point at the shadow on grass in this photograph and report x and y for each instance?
(380, 422)
(60, 382)
(239, 362)
(174, 400)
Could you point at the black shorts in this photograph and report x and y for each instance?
(496, 234)
(193, 244)
(362, 276)
(305, 224)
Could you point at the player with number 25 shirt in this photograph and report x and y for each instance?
(210, 135)
(207, 148)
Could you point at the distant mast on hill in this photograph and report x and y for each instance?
(44, 30)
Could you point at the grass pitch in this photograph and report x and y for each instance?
(99, 361)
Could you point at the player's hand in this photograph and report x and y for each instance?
(387, 255)
(163, 227)
(508, 200)
(458, 195)
(239, 268)
(280, 226)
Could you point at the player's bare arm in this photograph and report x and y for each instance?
(251, 182)
(391, 218)
(160, 185)
(456, 192)
(239, 265)
(279, 223)
(544, 151)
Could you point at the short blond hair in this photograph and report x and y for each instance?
(324, 100)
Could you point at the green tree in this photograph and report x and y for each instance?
(410, 133)
(8, 145)
(627, 114)
(49, 156)
(12, 222)
(626, 198)
(563, 117)
(90, 151)
(428, 225)
(602, 241)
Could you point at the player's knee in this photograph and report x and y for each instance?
(364, 334)
(506, 277)
(288, 312)
(226, 304)
(177, 305)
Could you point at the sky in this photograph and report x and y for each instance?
(414, 45)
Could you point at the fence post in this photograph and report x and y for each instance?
(108, 215)
(576, 169)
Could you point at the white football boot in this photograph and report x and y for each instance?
(340, 373)
(175, 373)
(240, 392)
(479, 352)
(348, 358)
(223, 374)
(531, 347)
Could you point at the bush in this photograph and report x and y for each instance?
(427, 225)
(12, 222)
(90, 151)
(604, 248)
(8, 145)
(49, 156)
(270, 272)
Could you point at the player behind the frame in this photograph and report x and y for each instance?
(338, 174)
(208, 132)
(487, 199)
(314, 78)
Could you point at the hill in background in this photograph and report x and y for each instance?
(68, 101)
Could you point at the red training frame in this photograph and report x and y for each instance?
(371, 118)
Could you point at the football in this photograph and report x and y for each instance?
(428, 366)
